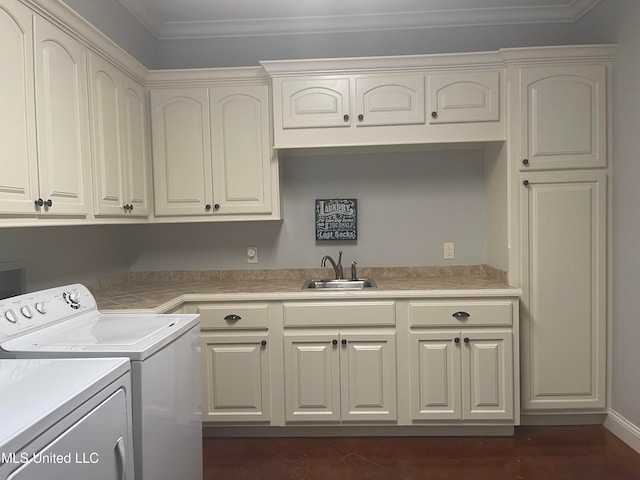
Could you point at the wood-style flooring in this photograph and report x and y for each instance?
(533, 453)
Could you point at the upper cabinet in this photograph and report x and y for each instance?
(315, 103)
(212, 153)
(119, 135)
(62, 121)
(459, 97)
(352, 101)
(181, 151)
(18, 155)
(326, 103)
(564, 117)
(43, 136)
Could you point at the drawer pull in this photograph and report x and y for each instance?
(466, 340)
(461, 315)
(233, 318)
(263, 343)
(457, 339)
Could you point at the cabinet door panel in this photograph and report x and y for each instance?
(564, 117)
(315, 103)
(368, 377)
(564, 301)
(107, 139)
(487, 375)
(235, 378)
(135, 146)
(61, 111)
(181, 151)
(19, 179)
(312, 385)
(390, 100)
(241, 149)
(464, 97)
(435, 376)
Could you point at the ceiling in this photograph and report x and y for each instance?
(178, 19)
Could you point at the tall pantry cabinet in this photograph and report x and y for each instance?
(559, 162)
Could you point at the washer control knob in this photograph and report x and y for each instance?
(27, 311)
(41, 307)
(11, 316)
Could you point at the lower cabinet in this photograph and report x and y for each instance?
(340, 376)
(235, 378)
(462, 375)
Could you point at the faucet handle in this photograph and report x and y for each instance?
(339, 257)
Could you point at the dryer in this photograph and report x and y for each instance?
(164, 352)
(65, 419)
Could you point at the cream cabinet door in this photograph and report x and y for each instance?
(563, 117)
(312, 378)
(461, 97)
(181, 135)
(368, 377)
(135, 139)
(315, 102)
(18, 154)
(564, 291)
(487, 375)
(436, 388)
(235, 378)
(390, 100)
(62, 120)
(106, 122)
(241, 149)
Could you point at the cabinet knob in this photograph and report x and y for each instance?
(263, 343)
(466, 340)
(457, 339)
(130, 207)
(360, 117)
(526, 183)
(48, 203)
(207, 207)
(461, 315)
(346, 118)
(434, 114)
(334, 342)
(344, 342)
(216, 206)
(39, 202)
(232, 317)
(525, 161)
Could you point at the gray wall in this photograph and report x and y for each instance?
(57, 255)
(626, 226)
(409, 204)
(115, 21)
(221, 52)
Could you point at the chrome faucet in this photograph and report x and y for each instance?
(337, 267)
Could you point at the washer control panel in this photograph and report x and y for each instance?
(33, 311)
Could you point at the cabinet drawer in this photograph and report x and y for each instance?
(339, 314)
(234, 316)
(459, 313)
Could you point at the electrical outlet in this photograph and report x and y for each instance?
(449, 251)
(252, 254)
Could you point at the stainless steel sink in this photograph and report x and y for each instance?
(359, 284)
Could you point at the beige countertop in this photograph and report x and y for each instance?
(157, 293)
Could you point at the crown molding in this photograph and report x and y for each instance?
(196, 77)
(167, 29)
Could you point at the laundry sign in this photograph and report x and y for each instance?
(336, 219)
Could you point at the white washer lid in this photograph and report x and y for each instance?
(95, 334)
(35, 394)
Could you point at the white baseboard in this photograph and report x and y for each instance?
(623, 429)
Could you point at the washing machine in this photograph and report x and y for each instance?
(64, 419)
(164, 355)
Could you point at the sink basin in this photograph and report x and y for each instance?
(360, 284)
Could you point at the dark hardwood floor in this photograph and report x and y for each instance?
(545, 453)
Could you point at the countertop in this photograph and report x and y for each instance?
(159, 294)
